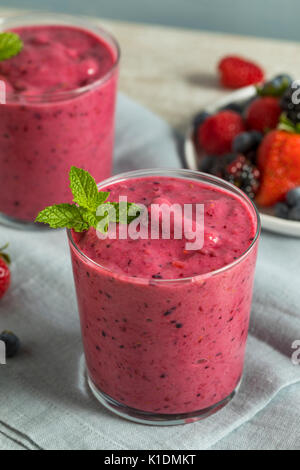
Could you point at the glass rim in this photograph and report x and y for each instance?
(196, 176)
(44, 18)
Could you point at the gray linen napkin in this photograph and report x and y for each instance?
(45, 402)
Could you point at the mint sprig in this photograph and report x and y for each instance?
(82, 215)
(10, 45)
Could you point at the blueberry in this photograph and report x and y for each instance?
(246, 141)
(281, 78)
(199, 118)
(12, 343)
(294, 212)
(282, 210)
(237, 107)
(293, 197)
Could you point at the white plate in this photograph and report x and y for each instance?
(269, 221)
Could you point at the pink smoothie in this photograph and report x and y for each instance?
(168, 347)
(49, 121)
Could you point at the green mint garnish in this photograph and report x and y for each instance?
(10, 45)
(82, 215)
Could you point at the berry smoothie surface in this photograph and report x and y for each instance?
(177, 346)
(49, 122)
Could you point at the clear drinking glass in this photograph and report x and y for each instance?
(43, 134)
(209, 359)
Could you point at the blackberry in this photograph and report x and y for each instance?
(243, 174)
(290, 102)
(219, 164)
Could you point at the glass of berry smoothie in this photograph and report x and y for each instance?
(165, 328)
(59, 110)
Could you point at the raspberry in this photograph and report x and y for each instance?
(236, 72)
(263, 114)
(217, 132)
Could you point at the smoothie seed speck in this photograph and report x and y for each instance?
(179, 325)
(103, 333)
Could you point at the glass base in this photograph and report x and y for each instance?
(144, 417)
(11, 222)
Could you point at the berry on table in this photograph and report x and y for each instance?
(217, 132)
(236, 72)
(12, 343)
(4, 271)
(263, 114)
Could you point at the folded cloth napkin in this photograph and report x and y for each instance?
(45, 401)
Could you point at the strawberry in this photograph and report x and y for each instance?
(263, 114)
(4, 271)
(279, 164)
(217, 132)
(236, 72)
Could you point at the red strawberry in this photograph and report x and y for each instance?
(4, 272)
(217, 132)
(263, 114)
(236, 72)
(279, 164)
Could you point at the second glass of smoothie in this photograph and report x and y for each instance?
(59, 111)
(164, 328)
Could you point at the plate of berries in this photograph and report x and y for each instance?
(251, 138)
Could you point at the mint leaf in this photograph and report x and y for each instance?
(83, 214)
(63, 216)
(10, 45)
(84, 189)
(102, 197)
(122, 210)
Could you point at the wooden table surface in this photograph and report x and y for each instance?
(173, 71)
